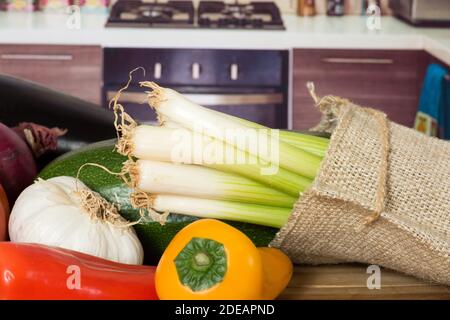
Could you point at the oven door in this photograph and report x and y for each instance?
(266, 107)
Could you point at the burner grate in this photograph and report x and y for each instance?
(255, 15)
(148, 14)
(210, 14)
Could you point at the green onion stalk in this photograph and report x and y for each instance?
(187, 165)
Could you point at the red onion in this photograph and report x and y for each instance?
(4, 215)
(17, 166)
(39, 138)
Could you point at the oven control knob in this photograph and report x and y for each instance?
(195, 71)
(234, 71)
(157, 70)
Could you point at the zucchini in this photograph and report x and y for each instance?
(154, 237)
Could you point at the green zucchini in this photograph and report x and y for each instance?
(153, 236)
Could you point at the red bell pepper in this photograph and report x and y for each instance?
(38, 272)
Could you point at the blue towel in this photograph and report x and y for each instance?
(446, 109)
(433, 116)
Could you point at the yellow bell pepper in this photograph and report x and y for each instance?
(209, 259)
(277, 269)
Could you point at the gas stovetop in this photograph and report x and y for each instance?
(254, 15)
(209, 14)
(141, 13)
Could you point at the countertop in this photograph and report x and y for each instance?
(349, 281)
(349, 32)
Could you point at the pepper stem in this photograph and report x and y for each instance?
(201, 264)
(202, 260)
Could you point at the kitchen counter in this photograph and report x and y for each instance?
(348, 32)
(349, 281)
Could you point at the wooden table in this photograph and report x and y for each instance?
(349, 281)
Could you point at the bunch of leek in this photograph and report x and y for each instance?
(179, 176)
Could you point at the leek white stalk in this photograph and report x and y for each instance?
(155, 143)
(196, 181)
(170, 105)
(206, 208)
(181, 146)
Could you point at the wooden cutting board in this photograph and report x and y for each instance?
(349, 281)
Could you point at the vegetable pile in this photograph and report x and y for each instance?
(159, 195)
(153, 236)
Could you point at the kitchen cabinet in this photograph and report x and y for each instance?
(75, 70)
(388, 80)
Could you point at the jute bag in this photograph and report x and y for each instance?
(381, 196)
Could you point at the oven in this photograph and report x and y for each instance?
(251, 84)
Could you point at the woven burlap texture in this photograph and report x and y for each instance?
(329, 223)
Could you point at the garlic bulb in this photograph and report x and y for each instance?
(64, 212)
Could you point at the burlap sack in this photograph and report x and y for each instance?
(381, 196)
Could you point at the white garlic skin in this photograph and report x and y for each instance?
(49, 212)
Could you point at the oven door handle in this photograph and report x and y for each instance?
(209, 99)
